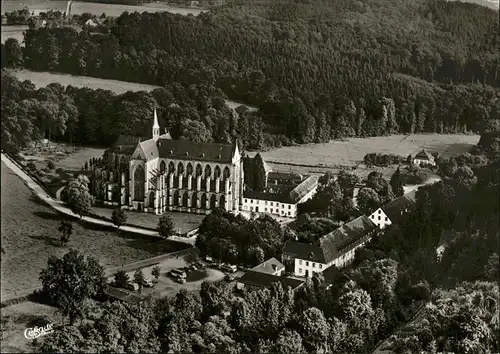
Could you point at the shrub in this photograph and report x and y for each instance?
(31, 166)
(50, 165)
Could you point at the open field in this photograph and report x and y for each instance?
(42, 79)
(184, 222)
(30, 236)
(318, 158)
(79, 7)
(13, 32)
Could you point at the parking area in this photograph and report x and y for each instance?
(168, 285)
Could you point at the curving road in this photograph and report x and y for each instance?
(60, 207)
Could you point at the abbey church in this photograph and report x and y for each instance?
(159, 174)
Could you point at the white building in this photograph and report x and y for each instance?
(335, 248)
(423, 158)
(392, 212)
(280, 204)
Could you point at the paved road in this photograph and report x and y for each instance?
(60, 207)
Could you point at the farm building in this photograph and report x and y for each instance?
(283, 203)
(335, 248)
(122, 295)
(423, 158)
(393, 211)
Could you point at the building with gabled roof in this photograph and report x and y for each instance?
(423, 157)
(271, 266)
(393, 212)
(176, 175)
(281, 204)
(335, 248)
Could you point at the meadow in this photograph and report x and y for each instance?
(42, 79)
(16, 32)
(79, 7)
(29, 236)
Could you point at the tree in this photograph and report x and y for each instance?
(166, 226)
(289, 342)
(347, 181)
(314, 329)
(70, 280)
(50, 165)
(139, 279)
(119, 217)
(397, 183)
(79, 199)
(368, 201)
(66, 230)
(156, 272)
(260, 173)
(122, 279)
(13, 53)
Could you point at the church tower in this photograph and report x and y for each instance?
(156, 127)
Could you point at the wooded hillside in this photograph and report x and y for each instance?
(316, 69)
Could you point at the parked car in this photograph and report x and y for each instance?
(132, 286)
(177, 273)
(200, 265)
(230, 268)
(193, 267)
(209, 259)
(148, 283)
(181, 280)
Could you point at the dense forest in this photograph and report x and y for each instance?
(316, 69)
(97, 117)
(351, 312)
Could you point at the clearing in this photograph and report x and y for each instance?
(319, 158)
(16, 32)
(79, 7)
(43, 78)
(29, 236)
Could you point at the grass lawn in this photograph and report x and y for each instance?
(29, 236)
(183, 221)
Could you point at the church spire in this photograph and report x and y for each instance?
(156, 127)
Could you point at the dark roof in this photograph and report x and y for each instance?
(266, 280)
(330, 274)
(188, 150)
(303, 251)
(302, 189)
(123, 295)
(424, 155)
(336, 242)
(290, 196)
(395, 209)
(267, 266)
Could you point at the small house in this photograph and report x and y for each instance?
(423, 158)
(271, 266)
(394, 211)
